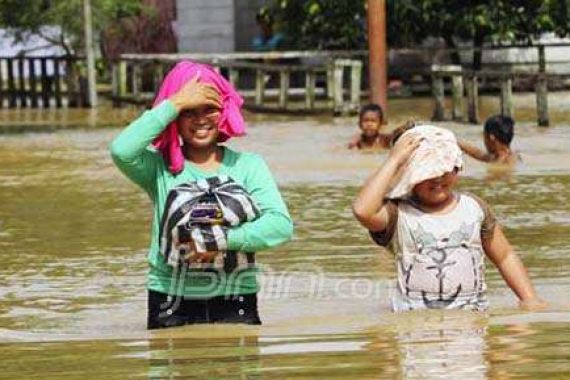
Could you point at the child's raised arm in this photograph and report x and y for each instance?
(501, 253)
(368, 207)
(475, 152)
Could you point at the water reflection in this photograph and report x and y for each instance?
(74, 234)
(437, 344)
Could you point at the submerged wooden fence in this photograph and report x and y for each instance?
(45, 82)
(331, 84)
(294, 82)
(467, 82)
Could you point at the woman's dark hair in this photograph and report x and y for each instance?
(372, 107)
(502, 127)
(398, 132)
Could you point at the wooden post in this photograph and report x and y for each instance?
(377, 58)
(32, 79)
(355, 77)
(542, 90)
(57, 81)
(71, 80)
(136, 79)
(22, 84)
(439, 97)
(457, 92)
(12, 102)
(542, 100)
(259, 87)
(234, 77)
(2, 83)
(310, 83)
(472, 99)
(45, 82)
(541, 59)
(90, 55)
(115, 79)
(215, 63)
(507, 96)
(122, 78)
(330, 80)
(284, 76)
(158, 75)
(338, 101)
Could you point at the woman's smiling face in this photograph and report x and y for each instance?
(199, 127)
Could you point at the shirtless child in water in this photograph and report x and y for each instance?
(498, 134)
(370, 122)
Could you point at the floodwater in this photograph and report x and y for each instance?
(73, 236)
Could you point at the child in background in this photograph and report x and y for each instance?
(440, 237)
(370, 122)
(499, 132)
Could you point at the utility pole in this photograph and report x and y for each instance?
(90, 54)
(377, 58)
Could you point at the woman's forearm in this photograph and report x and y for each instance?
(270, 230)
(129, 149)
(133, 140)
(274, 225)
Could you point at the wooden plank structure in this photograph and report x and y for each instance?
(471, 78)
(328, 84)
(290, 81)
(37, 82)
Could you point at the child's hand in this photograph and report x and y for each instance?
(533, 304)
(195, 94)
(404, 148)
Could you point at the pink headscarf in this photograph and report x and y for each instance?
(231, 121)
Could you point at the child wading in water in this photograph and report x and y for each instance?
(370, 122)
(440, 237)
(498, 134)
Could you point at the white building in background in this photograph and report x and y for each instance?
(216, 26)
(34, 46)
(557, 57)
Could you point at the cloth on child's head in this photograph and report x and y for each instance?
(437, 154)
(231, 121)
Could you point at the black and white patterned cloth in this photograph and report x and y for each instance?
(200, 213)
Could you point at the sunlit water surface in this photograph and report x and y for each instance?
(74, 232)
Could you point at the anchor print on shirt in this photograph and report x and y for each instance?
(440, 258)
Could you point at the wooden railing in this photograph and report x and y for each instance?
(327, 84)
(467, 82)
(39, 82)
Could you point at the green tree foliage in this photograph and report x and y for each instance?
(341, 24)
(320, 24)
(484, 21)
(23, 18)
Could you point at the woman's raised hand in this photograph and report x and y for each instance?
(195, 94)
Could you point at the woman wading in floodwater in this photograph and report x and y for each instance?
(213, 207)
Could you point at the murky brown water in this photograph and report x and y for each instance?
(73, 234)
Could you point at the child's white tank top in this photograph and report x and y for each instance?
(439, 257)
